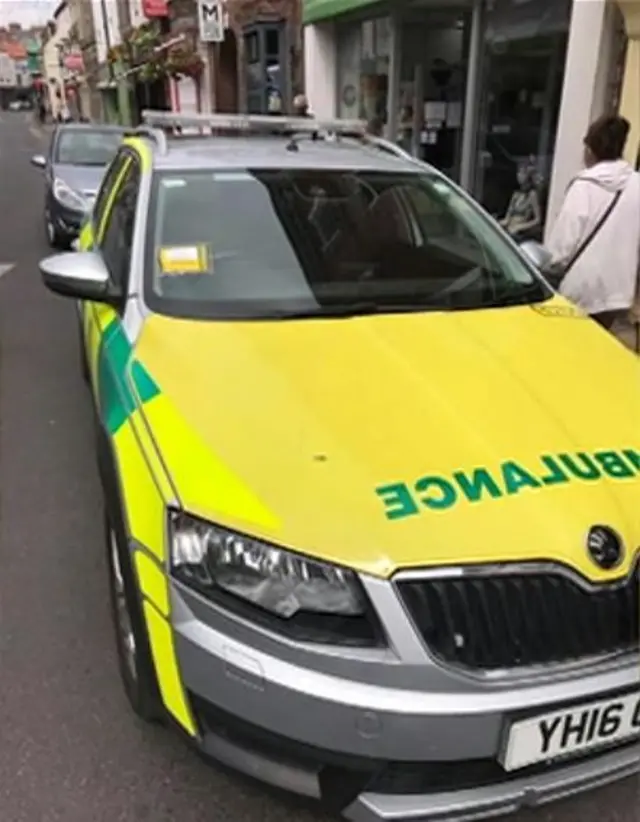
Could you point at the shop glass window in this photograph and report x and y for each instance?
(363, 68)
(525, 53)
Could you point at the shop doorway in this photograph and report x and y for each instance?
(151, 94)
(523, 75)
(520, 119)
(227, 74)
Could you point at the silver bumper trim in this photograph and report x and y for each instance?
(498, 800)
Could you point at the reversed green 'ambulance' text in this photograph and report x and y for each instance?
(436, 492)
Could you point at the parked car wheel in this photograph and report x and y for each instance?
(54, 238)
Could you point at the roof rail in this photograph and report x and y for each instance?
(157, 135)
(254, 123)
(389, 147)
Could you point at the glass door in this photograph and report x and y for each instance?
(268, 86)
(433, 70)
(524, 56)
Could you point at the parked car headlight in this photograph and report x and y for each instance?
(212, 558)
(67, 197)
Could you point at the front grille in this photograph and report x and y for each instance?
(522, 619)
(420, 778)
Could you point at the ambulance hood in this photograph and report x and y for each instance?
(402, 441)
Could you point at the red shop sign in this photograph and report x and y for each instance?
(155, 8)
(74, 62)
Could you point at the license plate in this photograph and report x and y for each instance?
(572, 731)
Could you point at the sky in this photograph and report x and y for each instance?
(26, 12)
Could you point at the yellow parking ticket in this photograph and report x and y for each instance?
(184, 259)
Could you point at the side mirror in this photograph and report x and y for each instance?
(536, 253)
(81, 275)
(39, 161)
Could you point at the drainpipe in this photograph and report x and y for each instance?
(107, 41)
(472, 96)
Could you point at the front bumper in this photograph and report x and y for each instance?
(67, 222)
(377, 734)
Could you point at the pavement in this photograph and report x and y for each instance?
(70, 749)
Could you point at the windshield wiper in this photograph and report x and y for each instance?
(359, 309)
(519, 295)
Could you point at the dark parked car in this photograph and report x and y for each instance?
(74, 165)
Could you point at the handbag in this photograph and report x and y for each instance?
(556, 275)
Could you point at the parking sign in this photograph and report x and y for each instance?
(211, 21)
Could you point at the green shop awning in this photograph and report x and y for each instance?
(313, 10)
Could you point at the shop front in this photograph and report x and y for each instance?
(474, 87)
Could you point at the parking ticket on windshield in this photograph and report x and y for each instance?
(185, 259)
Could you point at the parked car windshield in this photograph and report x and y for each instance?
(261, 243)
(86, 147)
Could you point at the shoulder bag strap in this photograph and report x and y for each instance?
(594, 233)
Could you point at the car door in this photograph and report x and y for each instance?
(48, 170)
(108, 344)
(91, 237)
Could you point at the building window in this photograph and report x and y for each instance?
(525, 53)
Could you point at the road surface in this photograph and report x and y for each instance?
(70, 749)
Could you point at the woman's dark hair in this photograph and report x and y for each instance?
(607, 137)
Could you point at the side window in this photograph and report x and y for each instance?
(118, 234)
(108, 181)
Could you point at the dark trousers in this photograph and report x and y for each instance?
(606, 318)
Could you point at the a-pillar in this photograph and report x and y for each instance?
(630, 97)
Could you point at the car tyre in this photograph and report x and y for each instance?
(135, 662)
(54, 238)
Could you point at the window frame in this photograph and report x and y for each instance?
(110, 179)
(134, 167)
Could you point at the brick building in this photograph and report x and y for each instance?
(84, 33)
(260, 58)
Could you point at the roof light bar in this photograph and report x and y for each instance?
(252, 123)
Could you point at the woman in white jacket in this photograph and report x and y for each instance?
(595, 241)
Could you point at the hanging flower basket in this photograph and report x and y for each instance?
(151, 71)
(117, 54)
(154, 57)
(184, 62)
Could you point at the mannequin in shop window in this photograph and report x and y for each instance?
(523, 219)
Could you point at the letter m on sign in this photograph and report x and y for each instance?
(211, 21)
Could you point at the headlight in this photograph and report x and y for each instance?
(211, 558)
(66, 196)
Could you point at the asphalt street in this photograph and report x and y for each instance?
(70, 749)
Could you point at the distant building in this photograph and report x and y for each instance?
(53, 55)
(7, 71)
(22, 48)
